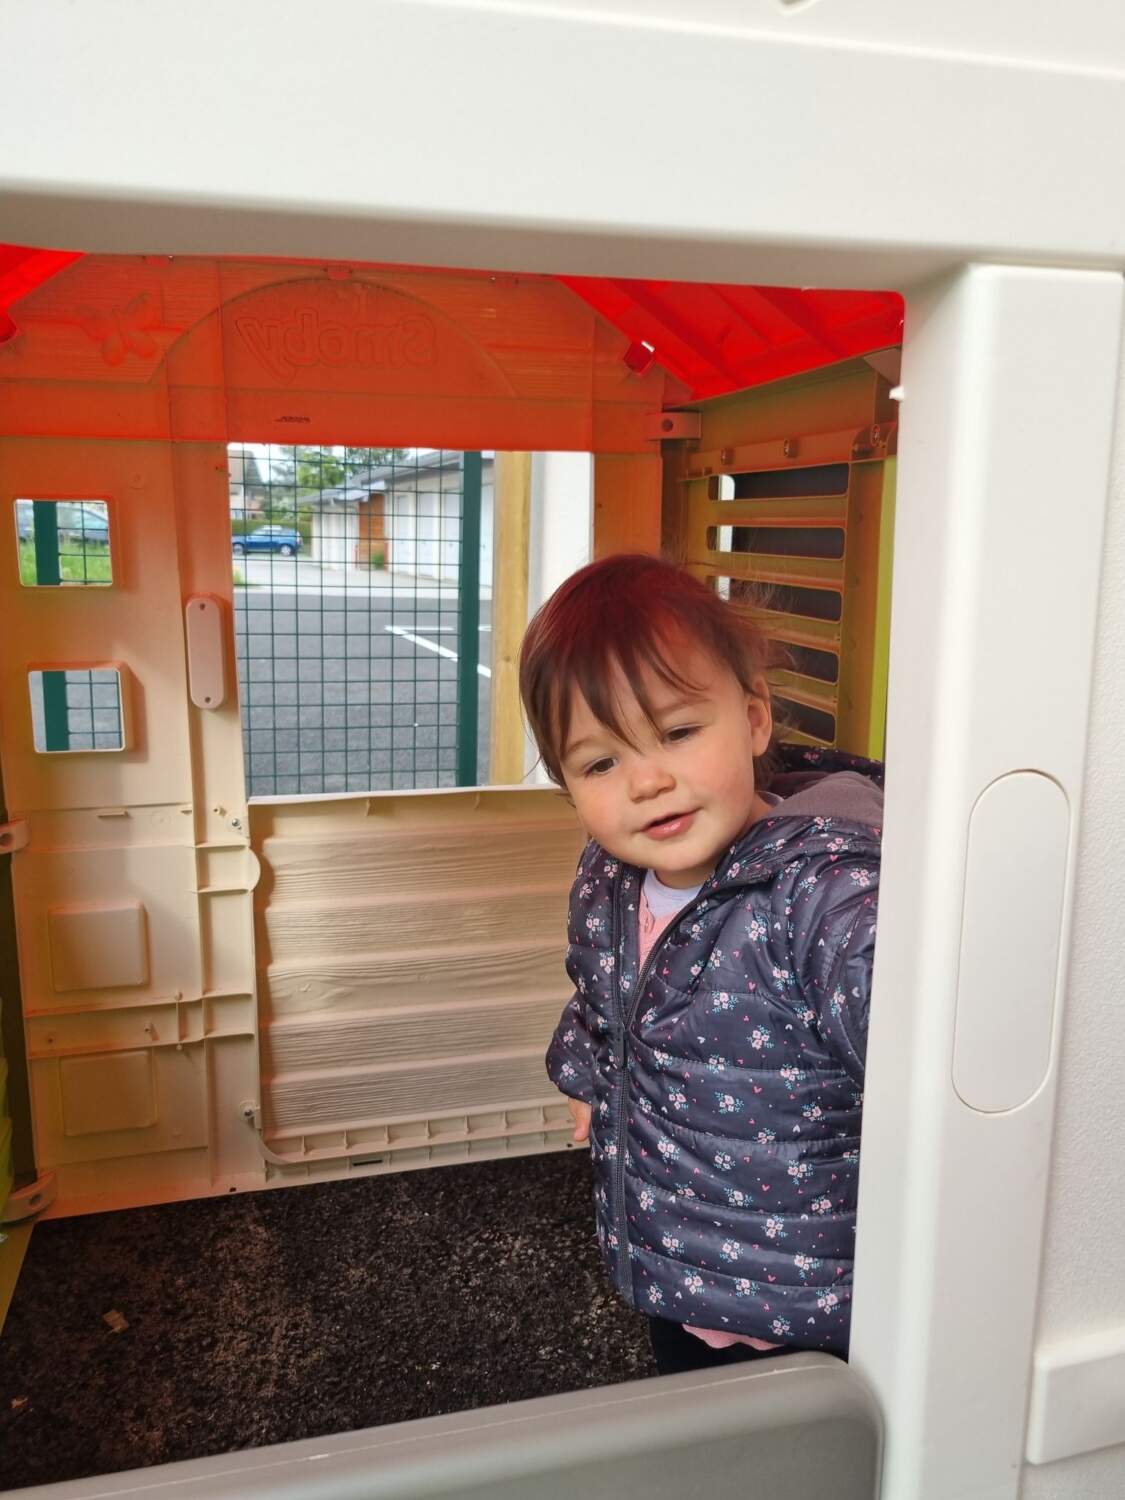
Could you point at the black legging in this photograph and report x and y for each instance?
(676, 1350)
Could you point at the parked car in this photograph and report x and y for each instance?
(283, 539)
(76, 520)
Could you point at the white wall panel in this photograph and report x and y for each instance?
(1083, 1285)
(997, 563)
(852, 143)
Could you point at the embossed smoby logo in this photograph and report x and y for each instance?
(286, 345)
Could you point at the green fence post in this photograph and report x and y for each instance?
(56, 719)
(468, 621)
(45, 520)
(45, 517)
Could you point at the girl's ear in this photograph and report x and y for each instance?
(759, 714)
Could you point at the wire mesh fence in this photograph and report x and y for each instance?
(362, 616)
(63, 542)
(76, 709)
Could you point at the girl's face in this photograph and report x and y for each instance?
(681, 793)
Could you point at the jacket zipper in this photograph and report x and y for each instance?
(625, 1273)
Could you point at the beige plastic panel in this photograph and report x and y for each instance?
(410, 953)
(125, 1073)
(98, 947)
(96, 1108)
(61, 927)
(100, 1094)
(133, 907)
(137, 621)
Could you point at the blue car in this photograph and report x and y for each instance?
(281, 539)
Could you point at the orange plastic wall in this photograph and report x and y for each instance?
(154, 347)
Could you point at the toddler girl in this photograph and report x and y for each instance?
(722, 926)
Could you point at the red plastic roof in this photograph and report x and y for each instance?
(719, 338)
(713, 338)
(21, 271)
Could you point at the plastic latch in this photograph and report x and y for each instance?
(14, 836)
(24, 1202)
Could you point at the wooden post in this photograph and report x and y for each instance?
(627, 496)
(512, 535)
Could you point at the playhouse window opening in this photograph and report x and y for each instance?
(782, 484)
(810, 661)
(63, 542)
(363, 595)
(817, 723)
(363, 645)
(780, 541)
(790, 599)
(76, 708)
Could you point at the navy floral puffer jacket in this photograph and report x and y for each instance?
(726, 1079)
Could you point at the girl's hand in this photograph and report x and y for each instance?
(581, 1114)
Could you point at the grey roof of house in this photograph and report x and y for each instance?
(352, 493)
(347, 494)
(437, 458)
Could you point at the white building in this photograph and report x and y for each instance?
(409, 513)
(334, 541)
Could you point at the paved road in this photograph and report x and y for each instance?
(351, 689)
(302, 575)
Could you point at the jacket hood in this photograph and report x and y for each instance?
(828, 783)
(801, 768)
(823, 793)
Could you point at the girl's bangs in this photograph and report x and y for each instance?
(606, 668)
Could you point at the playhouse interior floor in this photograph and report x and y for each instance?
(269, 1316)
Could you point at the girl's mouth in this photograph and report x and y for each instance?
(669, 828)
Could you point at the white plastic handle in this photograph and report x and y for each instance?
(206, 658)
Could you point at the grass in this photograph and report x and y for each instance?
(79, 562)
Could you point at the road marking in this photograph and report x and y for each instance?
(418, 640)
(448, 629)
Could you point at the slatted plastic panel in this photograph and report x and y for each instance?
(410, 953)
(789, 497)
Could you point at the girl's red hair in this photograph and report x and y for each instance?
(633, 615)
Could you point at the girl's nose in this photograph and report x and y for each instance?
(648, 778)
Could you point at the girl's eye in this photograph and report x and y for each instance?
(600, 767)
(681, 732)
